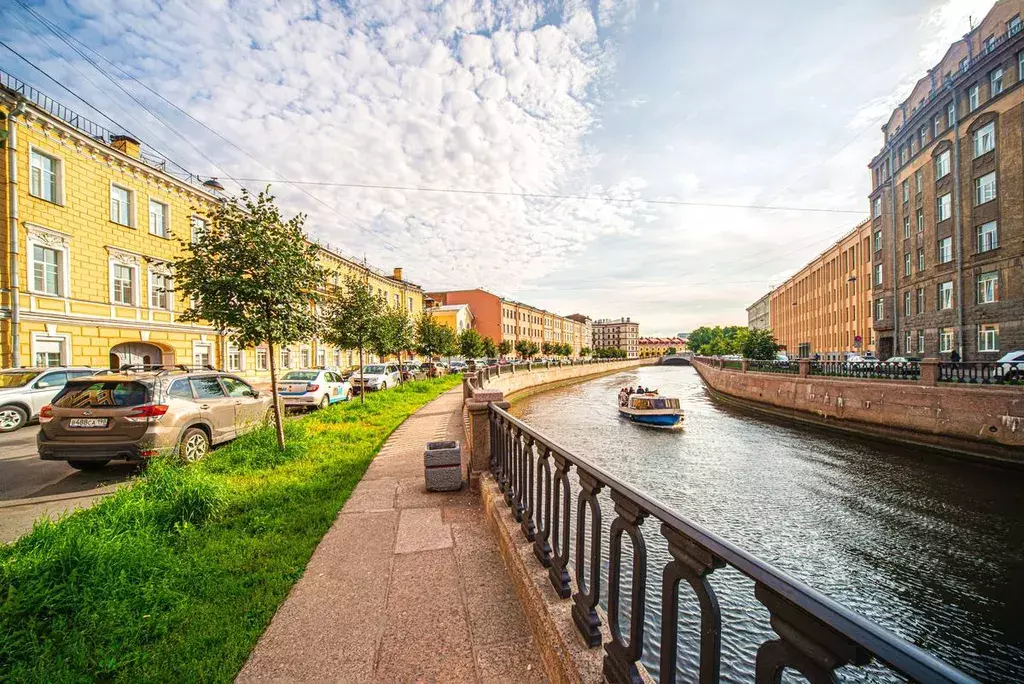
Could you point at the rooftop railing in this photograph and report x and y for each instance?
(813, 634)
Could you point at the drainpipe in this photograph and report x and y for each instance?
(958, 229)
(12, 229)
(895, 279)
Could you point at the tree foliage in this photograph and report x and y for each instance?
(490, 349)
(760, 344)
(471, 344)
(526, 348)
(585, 351)
(351, 319)
(718, 340)
(610, 353)
(433, 338)
(393, 333)
(253, 275)
(505, 347)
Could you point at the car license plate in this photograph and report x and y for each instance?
(88, 422)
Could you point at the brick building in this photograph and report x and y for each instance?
(622, 333)
(947, 202)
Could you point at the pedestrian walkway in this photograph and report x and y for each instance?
(406, 586)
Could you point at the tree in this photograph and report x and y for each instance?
(430, 336)
(505, 347)
(547, 349)
(392, 334)
(253, 274)
(760, 344)
(471, 345)
(522, 348)
(352, 320)
(490, 349)
(585, 351)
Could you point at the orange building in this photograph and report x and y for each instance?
(825, 308)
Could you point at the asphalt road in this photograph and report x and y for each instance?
(31, 488)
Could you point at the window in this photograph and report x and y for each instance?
(158, 218)
(49, 351)
(304, 356)
(906, 265)
(878, 241)
(876, 209)
(920, 259)
(878, 274)
(286, 357)
(906, 227)
(879, 309)
(945, 339)
(985, 139)
(945, 250)
(180, 389)
(918, 181)
(937, 126)
(903, 155)
(235, 387)
(160, 291)
(47, 264)
(985, 188)
(988, 287)
(45, 177)
(1013, 26)
(234, 358)
(922, 135)
(905, 187)
(201, 355)
(944, 207)
(262, 360)
(920, 342)
(920, 300)
(121, 205)
(988, 337)
(1020, 65)
(988, 236)
(907, 341)
(920, 220)
(942, 165)
(906, 303)
(950, 115)
(207, 388)
(972, 98)
(995, 80)
(964, 63)
(410, 303)
(198, 227)
(124, 284)
(945, 291)
(988, 43)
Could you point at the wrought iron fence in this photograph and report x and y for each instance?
(814, 635)
(1007, 373)
(773, 366)
(855, 369)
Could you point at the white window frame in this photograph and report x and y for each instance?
(130, 261)
(995, 78)
(878, 241)
(285, 355)
(197, 347)
(878, 275)
(920, 259)
(945, 256)
(321, 356)
(64, 339)
(945, 340)
(988, 287)
(1020, 65)
(920, 221)
(983, 230)
(906, 227)
(973, 98)
(906, 265)
(876, 207)
(132, 203)
(50, 239)
(988, 337)
(942, 165)
(305, 357)
(918, 181)
(58, 183)
(905, 189)
(985, 139)
(946, 295)
(879, 309)
(262, 359)
(920, 341)
(151, 277)
(195, 221)
(950, 114)
(165, 229)
(236, 352)
(985, 188)
(944, 207)
(907, 296)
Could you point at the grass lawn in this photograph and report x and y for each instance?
(174, 577)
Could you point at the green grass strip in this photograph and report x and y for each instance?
(175, 576)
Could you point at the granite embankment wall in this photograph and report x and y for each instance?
(523, 382)
(985, 422)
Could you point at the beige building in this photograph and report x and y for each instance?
(653, 347)
(458, 317)
(621, 333)
(759, 314)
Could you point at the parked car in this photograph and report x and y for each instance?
(856, 358)
(376, 376)
(1012, 365)
(458, 367)
(313, 388)
(135, 415)
(432, 369)
(411, 370)
(24, 391)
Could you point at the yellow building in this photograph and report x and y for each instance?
(458, 317)
(652, 347)
(93, 224)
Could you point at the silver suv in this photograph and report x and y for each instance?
(23, 391)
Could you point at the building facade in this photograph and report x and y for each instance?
(458, 317)
(947, 202)
(621, 333)
(759, 314)
(825, 308)
(504, 320)
(93, 225)
(652, 347)
(586, 329)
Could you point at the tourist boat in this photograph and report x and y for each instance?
(651, 409)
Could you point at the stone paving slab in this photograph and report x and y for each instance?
(407, 585)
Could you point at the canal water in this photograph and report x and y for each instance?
(930, 547)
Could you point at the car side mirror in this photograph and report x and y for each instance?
(254, 393)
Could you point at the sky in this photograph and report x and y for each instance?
(745, 103)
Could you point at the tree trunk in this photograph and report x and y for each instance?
(362, 383)
(401, 375)
(278, 418)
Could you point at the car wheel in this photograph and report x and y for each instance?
(12, 418)
(194, 445)
(88, 465)
(384, 385)
(348, 395)
(325, 402)
(268, 417)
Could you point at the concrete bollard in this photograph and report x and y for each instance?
(442, 466)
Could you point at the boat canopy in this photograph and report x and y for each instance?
(644, 403)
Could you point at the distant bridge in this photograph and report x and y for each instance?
(682, 359)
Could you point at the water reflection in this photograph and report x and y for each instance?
(930, 547)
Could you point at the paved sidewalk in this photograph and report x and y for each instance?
(406, 586)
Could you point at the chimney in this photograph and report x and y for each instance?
(125, 144)
(398, 274)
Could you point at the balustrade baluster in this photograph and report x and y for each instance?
(503, 456)
(584, 610)
(621, 657)
(558, 573)
(542, 507)
(513, 473)
(692, 563)
(526, 524)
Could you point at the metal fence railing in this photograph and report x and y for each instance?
(886, 371)
(995, 373)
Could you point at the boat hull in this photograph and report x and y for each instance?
(659, 420)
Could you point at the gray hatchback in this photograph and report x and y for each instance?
(23, 391)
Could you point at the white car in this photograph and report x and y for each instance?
(1012, 364)
(315, 388)
(377, 376)
(23, 391)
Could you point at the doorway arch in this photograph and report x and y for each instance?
(139, 354)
